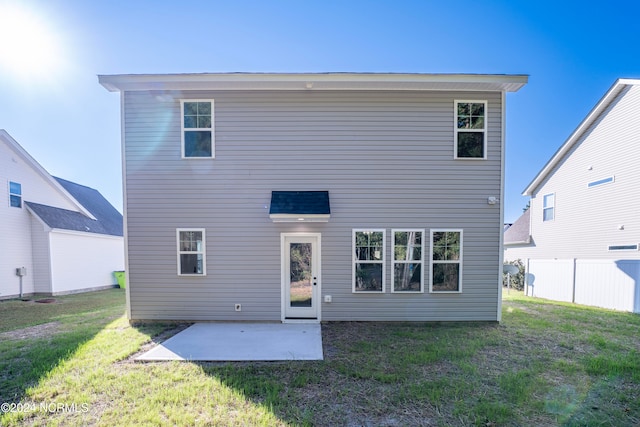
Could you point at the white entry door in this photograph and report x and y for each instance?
(300, 276)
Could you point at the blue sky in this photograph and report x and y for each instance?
(53, 106)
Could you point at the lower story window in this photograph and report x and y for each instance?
(368, 260)
(407, 261)
(446, 261)
(191, 252)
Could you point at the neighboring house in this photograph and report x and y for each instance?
(66, 236)
(581, 243)
(308, 197)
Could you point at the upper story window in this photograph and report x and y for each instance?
(470, 133)
(368, 260)
(601, 182)
(197, 129)
(408, 250)
(548, 206)
(191, 252)
(446, 261)
(15, 194)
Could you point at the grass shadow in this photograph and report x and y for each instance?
(39, 337)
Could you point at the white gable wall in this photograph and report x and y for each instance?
(15, 223)
(588, 220)
(82, 261)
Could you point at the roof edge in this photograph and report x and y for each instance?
(593, 115)
(312, 81)
(18, 149)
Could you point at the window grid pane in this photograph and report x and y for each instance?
(197, 144)
(369, 245)
(446, 277)
(15, 188)
(368, 277)
(471, 144)
(407, 277)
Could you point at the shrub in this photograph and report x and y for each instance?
(517, 280)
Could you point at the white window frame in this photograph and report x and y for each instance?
(394, 261)
(459, 261)
(211, 129)
(355, 261)
(483, 130)
(12, 194)
(546, 208)
(203, 252)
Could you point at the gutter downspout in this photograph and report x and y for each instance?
(502, 178)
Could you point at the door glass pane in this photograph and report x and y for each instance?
(300, 287)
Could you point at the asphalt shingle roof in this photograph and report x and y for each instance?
(518, 233)
(108, 219)
(300, 202)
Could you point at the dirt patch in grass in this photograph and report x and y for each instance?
(38, 331)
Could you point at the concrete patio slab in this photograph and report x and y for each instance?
(241, 342)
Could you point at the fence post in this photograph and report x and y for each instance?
(573, 292)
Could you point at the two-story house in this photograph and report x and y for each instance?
(56, 236)
(580, 238)
(308, 197)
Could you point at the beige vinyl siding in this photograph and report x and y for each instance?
(587, 219)
(385, 158)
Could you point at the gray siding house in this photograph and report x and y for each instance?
(580, 239)
(309, 197)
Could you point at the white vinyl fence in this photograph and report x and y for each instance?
(611, 284)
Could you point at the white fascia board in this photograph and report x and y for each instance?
(35, 215)
(522, 242)
(85, 234)
(299, 217)
(599, 108)
(313, 81)
(26, 157)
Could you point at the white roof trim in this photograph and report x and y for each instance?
(85, 234)
(26, 157)
(600, 107)
(527, 241)
(313, 81)
(299, 217)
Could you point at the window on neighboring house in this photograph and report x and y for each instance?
(197, 129)
(408, 250)
(600, 182)
(446, 261)
(191, 252)
(470, 130)
(368, 260)
(633, 247)
(548, 206)
(15, 194)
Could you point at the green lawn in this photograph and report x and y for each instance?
(68, 363)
